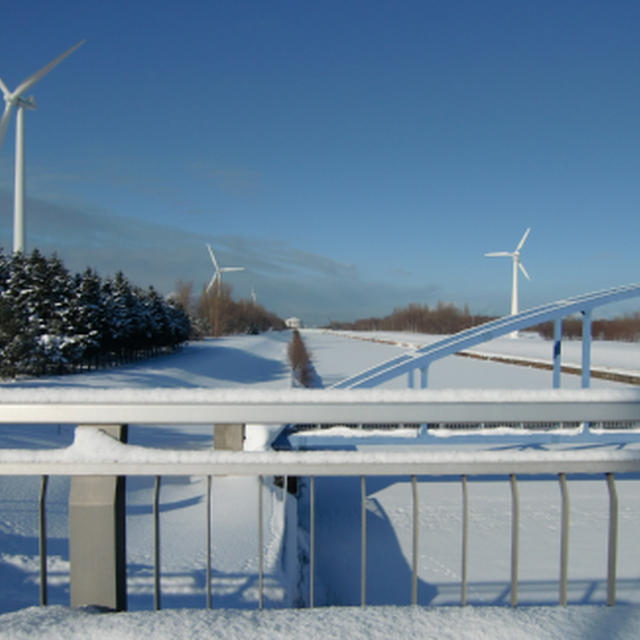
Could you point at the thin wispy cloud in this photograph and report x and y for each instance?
(288, 279)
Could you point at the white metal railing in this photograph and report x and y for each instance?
(96, 454)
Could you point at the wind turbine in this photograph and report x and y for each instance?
(15, 99)
(217, 275)
(515, 257)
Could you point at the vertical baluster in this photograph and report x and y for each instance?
(515, 515)
(414, 563)
(312, 539)
(465, 541)
(363, 542)
(260, 544)
(613, 540)
(42, 538)
(156, 544)
(208, 512)
(564, 540)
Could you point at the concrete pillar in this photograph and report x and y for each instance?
(97, 546)
(228, 437)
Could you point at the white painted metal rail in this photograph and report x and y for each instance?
(203, 406)
(94, 453)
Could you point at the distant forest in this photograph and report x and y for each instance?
(447, 318)
(54, 322)
(216, 313)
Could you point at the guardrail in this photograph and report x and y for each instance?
(98, 460)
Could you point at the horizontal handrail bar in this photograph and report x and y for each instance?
(202, 406)
(138, 461)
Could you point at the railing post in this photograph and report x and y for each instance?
(586, 349)
(156, 543)
(229, 437)
(515, 526)
(414, 557)
(564, 539)
(312, 540)
(260, 546)
(465, 541)
(411, 378)
(97, 551)
(613, 540)
(42, 537)
(363, 542)
(424, 376)
(208, 534)
(557, 352)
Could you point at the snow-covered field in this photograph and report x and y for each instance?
(260, 362)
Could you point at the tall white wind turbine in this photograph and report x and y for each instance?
(218, 271)
(515, 258)
(15, 99)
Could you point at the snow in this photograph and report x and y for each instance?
(243, 368)
(471, 623)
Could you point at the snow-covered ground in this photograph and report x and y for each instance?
(260, 362)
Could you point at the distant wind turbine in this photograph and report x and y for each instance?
(217, 275)
(15, 99)
(515, 257)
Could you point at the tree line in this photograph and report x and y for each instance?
(52, 321)
(419, 318)
(216, 313)
(447, 319)
(624, 328)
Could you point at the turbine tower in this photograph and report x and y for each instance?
(516, 264)
(15, 99)
(217, 275)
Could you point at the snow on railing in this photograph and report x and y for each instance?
(94, 453)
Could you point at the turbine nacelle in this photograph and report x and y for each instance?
(26, 103)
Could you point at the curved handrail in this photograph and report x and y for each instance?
(468, 338)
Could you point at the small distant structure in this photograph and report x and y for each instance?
(293, 323)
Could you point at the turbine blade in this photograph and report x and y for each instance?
(231, 268)
(526, 275)
(212, 281)
(5, 90)
(5, 121)
(213, 257)
(32, 79)
(501, 254)
(524, 237)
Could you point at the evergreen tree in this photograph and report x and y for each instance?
(51, 321)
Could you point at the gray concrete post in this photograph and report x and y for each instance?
(228, 437)
(97, 547)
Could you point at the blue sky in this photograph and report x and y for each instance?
(356, 156)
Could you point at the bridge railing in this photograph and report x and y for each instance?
(97, 460)
(423, 357)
